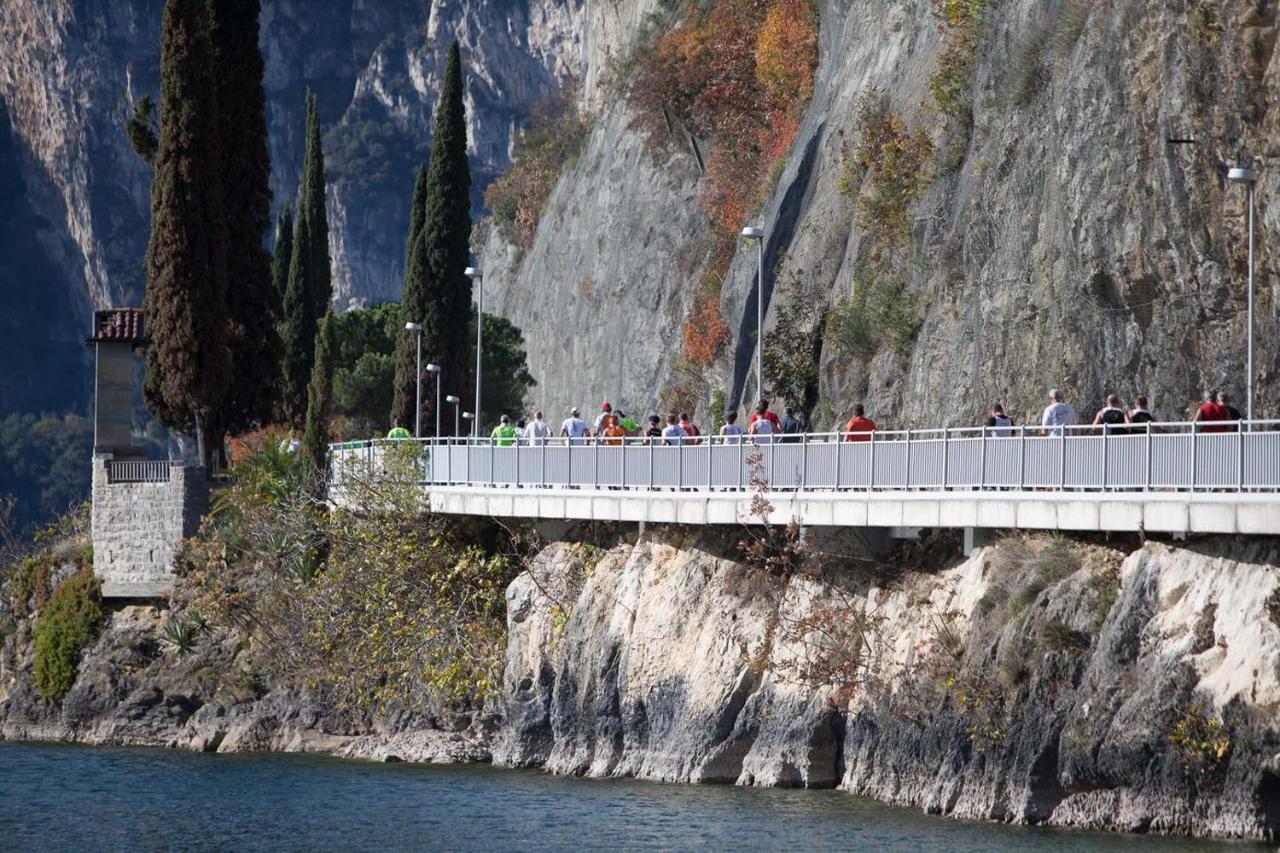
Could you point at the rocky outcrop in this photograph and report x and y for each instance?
(1076, 687)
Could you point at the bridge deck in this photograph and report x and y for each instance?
(1166, 477)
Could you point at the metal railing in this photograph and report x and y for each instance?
(1232, 456)
(149, 471)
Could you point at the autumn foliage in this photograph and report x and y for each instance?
(705, 331)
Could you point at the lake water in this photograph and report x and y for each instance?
(81, 798)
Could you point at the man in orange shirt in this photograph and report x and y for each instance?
(613, 431)
(859, 425)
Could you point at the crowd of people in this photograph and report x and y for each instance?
(612, 426)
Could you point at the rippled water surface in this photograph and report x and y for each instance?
(80, 798)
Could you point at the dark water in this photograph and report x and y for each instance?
(79, 798)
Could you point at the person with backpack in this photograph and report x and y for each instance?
(1111, 415)
(606, 411)
(504, 434)
(613, 431)
(731, 432)
(1140, 415)
(791, 427)
(1233, 414)
(398, 431)
(1000, 424)
(1212, 412)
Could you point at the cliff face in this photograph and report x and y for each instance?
(72, 70)
(1030, 684)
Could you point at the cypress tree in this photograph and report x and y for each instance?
(253, 309)
(281, 254)
(315, 436)
(188, 374)
(446, 231)
(309, 291)
(412, 306)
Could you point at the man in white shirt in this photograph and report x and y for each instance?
(574, 427)
(1057, 414)
(731, 431)
(539, 430)
(672, 432)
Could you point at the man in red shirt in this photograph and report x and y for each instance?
(773, 419)
(1211, 410)
(859, 426)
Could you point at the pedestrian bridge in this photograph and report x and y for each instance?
(1174, 478)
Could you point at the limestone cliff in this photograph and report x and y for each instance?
(1031, 683)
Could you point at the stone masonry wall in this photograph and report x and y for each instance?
(137, 528)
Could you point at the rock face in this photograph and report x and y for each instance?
(1134, 693)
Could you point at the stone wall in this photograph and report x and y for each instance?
(137, 528)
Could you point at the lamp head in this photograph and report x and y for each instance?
(413, 327)
(452, 399)
(753, 233)
(472, 272)
(467, 416)
(432, 368)
(1242, 176)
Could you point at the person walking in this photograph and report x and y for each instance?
(397, 431)
(627, 424)
(1111, 416)
(606, 411)
(690, 428)
(762, 411)
(762, 427)
(1233, 414)
(573, 428)
(1212, 413)
(1057, 415)
(791, 427)
(613, 431)
(539, 430)
(522, 432)
(504, 434)
(1141, 412)
(673, 433)
(1000, 424)
(859, 427)
(731, 432)
(654, 432)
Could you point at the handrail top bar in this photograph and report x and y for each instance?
(792, 439)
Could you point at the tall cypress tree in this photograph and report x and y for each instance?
(446, 230)
(309, 291)
(253, 309)
(412, 306)
(315, 436)
(281, 254)
(188, 374)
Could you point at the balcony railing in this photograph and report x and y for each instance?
(150, 471)
(1240, 456)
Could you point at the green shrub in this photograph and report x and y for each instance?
(879, 313)
(69, 622)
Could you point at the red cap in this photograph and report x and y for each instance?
(604, 407)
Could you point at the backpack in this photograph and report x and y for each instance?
(1112, 416)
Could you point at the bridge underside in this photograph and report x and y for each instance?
(1163, 512)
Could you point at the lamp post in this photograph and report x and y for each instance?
(435, 368)
(757, 234)
(468, 416)
(1248, 177)
(457, 426)
(416, 328)
(476, 276)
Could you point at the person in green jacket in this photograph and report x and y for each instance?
(397, 431)
(504, 434)
(627, 424)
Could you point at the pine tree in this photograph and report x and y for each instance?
(315, 436)
(253, 310)
(188, 366)
(282, 253)
(446, 231)
(412, 306)
(309, 291)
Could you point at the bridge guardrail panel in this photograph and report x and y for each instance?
(1217, 459)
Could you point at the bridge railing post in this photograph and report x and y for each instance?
(742, 461)
(871, 463)
(595, 463)
(517, 478)
(652, 445)
(804, 460)
(1062, 458)
(906, 479)
(982, 459)
(1106, 447)
(679, 463)
(946, 442)
(710, 459)
(1240, 459)
(1022, 457)
(839, 444)
(1146, 482)
(1195, 445)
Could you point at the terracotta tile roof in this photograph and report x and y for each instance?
(118, 324)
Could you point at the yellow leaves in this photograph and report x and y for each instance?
(787, 50)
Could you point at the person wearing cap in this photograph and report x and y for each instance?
(606, 412)
(574, 427)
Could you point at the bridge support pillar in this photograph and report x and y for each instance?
(553, 529)
(975, 537)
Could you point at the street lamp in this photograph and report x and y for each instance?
(468, 416)
(757, 234)
(454, 401)
(476, 276)
(435, 368)
(416, 328)
(1248, 177)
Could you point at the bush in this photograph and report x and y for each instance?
(705, 331)
(951, 85)
(553, 142)
(879, 313)
(888, 174)
(69, 622)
